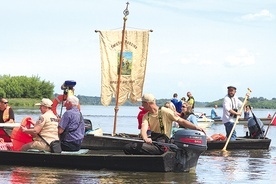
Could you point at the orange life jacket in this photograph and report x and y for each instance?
(6, 114)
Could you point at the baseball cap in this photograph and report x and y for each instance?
(229, 87)
(45, 102)
(147, 98)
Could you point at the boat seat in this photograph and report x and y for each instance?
(36, 150)
(81, 151)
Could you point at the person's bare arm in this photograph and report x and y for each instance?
(189, 125)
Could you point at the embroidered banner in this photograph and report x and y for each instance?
(133, 66)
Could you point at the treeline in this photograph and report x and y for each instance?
(93, 100)
(25, 87)
(24, 90)
(261, 103)
(255, 102)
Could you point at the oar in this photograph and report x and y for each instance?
(237, 119)
(271, 121)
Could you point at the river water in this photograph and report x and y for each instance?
(244, 166)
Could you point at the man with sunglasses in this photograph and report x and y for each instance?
(6, 112)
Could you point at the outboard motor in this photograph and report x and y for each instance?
(191, 144)
(256, 130)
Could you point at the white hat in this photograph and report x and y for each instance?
(45, 102)
(147, 98)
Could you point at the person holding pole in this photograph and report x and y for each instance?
(231, 105)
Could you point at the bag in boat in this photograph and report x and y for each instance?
(55, 146)
(159, 137)
(88, 125)
(136, 148)
(256, 130)
(218, 137)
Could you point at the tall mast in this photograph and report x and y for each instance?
(116, 109)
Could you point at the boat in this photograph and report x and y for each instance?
(107, 141)
(106, 152)
(242, 121)
(258, 141)
(241, 143)
(203, 121)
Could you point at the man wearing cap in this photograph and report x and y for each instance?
(46, 126)
(160, 121)
(231, 104)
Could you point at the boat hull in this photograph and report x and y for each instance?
(105, 152)
(111, 142)
(242, 143)
(92, 161)
(242, 121)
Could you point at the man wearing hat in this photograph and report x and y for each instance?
(46, 126)
(159, 120)
(231, 104)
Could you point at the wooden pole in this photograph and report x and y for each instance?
(237, 119)
(116, 109)
(271, 121)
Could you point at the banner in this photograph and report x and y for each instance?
(133, 65)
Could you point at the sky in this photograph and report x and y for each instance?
(197, 46)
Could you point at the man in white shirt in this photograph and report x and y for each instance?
(231, 104)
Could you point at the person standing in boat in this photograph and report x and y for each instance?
(231, 104)
(191, 100)
(6, 112)
(176, 103)
(46, 126)
(160, 120)
(71, 127)
(214, 114)
(247, 112)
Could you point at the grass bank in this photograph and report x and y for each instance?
(23, 102)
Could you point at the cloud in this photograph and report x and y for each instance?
(262, 15)
(243, 58)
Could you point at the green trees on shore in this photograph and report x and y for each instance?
(24, 91)
(25, 87)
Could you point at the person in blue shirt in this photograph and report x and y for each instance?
(71, 127)
(214, 114)
(176, 103)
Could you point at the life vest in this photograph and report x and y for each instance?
(20, 138)
(56, 101)
(140, 116)
(60, 99)
(6, 114)
(218, 137)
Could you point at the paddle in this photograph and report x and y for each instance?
(271, 121)
(237, 119)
